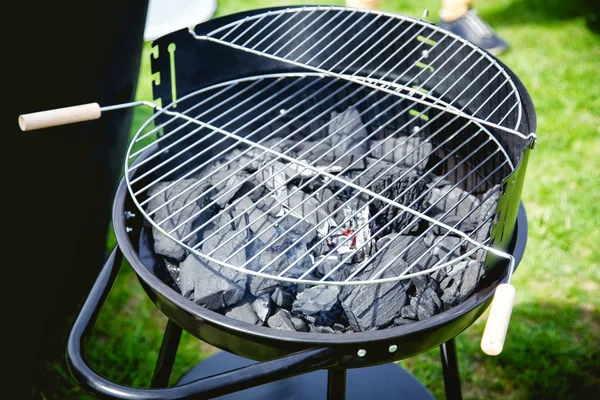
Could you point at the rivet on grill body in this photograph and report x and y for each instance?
(361, 353)
(128, 229)
(392, 348)
(128, 214)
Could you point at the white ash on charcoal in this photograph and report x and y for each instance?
(346, 138)
(262, 307)
(275, 176)
(210, 285)
(227, 182)
(179, 207)
(329, 265)
(353, 234)
(243, 311)
(284, 320)
(269, 205)
(256, 219)
(173, 270)
(251, 159)
(283, 297)
(409, 151)
(315, 300)
(273, 216)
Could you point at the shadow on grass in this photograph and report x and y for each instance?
(524, 12)
(551, 352)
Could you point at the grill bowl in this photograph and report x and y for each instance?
(263, 343)
(199, 64)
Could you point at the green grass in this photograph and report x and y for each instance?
(552, 350)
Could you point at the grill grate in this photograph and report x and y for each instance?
(259, 122)
(370, 47)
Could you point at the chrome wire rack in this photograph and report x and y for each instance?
(286, 106)
(370, 47)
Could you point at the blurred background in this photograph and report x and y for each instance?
(553, 345)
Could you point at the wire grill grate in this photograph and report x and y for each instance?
(406, 57)
(265, 131)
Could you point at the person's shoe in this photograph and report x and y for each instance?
(476, 31)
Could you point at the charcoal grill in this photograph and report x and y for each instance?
(254, 87)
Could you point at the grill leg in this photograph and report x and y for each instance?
(166, 357)
(450, 368)
(336, 384)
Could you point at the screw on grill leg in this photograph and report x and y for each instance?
(166, 357)
(450, 368)
(336, 384)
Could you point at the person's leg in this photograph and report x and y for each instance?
(454, 9)
(373, 4)
(458, 17)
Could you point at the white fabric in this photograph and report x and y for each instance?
(166, 16)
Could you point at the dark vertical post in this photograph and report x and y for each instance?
(70, 52)
(450, 368)
(336, 384)
(166, 356)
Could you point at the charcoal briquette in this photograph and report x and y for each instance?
(283, 298)
(262, 307)
(282, 319)
(243, 311)
(428, 304)
(316, 299)
(210, 285)
(179, 208)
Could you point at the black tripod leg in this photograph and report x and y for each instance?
(336, 384)
(450, 368)
(166, 357)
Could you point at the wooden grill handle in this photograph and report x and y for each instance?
(496, 327)
(59, 116)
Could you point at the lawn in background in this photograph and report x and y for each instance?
(552, 350)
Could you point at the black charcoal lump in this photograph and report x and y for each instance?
(428, 304)
(461, 281)
(210, 285)
(227, 182)
(316, 299)
(409, 151)
(284, 320)
(346, 136)
(262, 307)
(282, 297)
(175, 203)
(372, 306)
(243, 312)
(452, 200)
